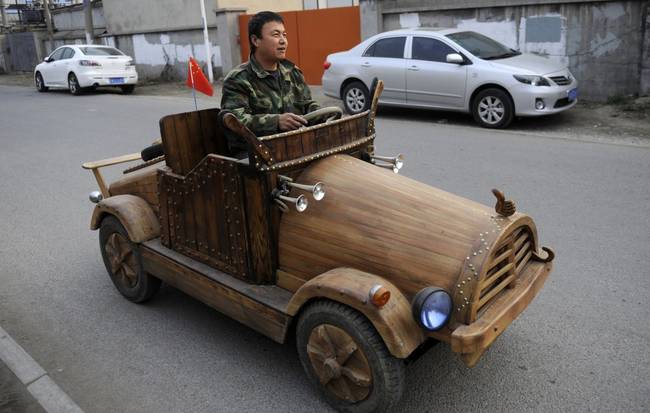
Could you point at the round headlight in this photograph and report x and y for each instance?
(432, 308)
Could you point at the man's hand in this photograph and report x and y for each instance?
(290, 121)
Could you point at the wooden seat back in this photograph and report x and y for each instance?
(188, 137)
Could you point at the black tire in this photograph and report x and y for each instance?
(40, 84)
(387, 372)
(73, 85)
(127, 89)
(138, 286)
(152, 152)
(356, 98)
(493, 108)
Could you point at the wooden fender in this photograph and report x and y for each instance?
(394, 321)
(134, 213)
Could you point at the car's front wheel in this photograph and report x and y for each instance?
(40, 84)
(124, 263)
(356, 98)
(73, 85)
(345, 357)
(493, 108)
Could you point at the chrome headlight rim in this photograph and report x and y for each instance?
(420, 300)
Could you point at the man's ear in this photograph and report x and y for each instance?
(255, 40)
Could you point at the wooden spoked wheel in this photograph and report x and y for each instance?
(344, 356)
(122, 260)
(124, 263)
(339, 363)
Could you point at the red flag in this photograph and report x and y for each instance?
(196, 79)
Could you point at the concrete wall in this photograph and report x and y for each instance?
(254, 6)
(604, 43)
(164, 56)
(142, 16)
(71, 18)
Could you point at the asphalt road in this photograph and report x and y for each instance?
(583, 344)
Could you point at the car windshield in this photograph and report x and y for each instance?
(482, 46)
(100, 51)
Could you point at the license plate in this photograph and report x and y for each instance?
(116, 80)
(573, 94)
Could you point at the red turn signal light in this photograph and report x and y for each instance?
(379, 295)
(326, 65)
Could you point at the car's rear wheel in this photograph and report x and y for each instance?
(493, 108)
(123, 262)
(356, 98)
(40, 84)
(345, 357)
(127, 89)
(73, 85)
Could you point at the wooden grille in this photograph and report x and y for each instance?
(509, 259)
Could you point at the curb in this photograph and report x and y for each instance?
(46, 392)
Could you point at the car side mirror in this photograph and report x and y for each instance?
(455, 58)
(48, 59)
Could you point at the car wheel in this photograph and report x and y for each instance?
(40, 84)
(493, 108)
(127, 89)
(73, 84)
(123, 262)
(356, 98)
(346, 359)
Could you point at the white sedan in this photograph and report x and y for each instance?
(450, 69)
(77, 67)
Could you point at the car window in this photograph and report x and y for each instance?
(391, 47)
(425, 48)
(482, 46)
(58, 53)
(68, 53)
(101, 51)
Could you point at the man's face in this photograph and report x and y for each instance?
(273, 44)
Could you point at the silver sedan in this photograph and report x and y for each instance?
(449, 69)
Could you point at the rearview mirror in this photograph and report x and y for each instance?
(455, 58)
(48, 59)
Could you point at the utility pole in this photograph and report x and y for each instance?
(88, 14)
(48, 22)
(208, 55)
(4, 16)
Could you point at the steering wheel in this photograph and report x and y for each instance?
(321, 115)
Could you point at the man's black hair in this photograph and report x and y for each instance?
(256, 23)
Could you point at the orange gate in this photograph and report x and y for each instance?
(312, 35)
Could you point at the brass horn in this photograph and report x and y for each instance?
(395, 163)
(317, 190)
(300, 202)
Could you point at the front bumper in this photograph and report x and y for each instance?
(555, 98)
(472, 340)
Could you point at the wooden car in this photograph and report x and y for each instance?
(367, 278)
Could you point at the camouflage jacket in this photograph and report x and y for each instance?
(257, 97)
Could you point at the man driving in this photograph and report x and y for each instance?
(268, 93)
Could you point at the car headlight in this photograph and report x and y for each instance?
(432, 308)
(532, 80)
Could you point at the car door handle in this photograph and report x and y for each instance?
(365, 64)
(414, 68)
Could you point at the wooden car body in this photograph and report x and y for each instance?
(207, 224)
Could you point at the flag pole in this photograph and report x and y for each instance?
(206, 40)
(193, 88)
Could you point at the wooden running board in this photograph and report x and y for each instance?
(260, 307)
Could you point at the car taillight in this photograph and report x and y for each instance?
(326, 65)
(89, 63)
